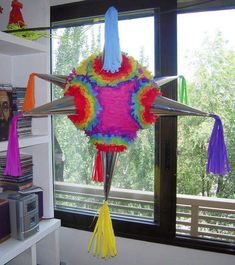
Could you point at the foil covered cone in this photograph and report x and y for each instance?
(63, 105)
(58, 80)
(163, 106)
(109, 160)
(162, 80)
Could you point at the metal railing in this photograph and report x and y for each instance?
(196, 216)
(206, 217)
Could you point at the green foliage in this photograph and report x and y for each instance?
(211, 90)
(135, 167)
(78, 155)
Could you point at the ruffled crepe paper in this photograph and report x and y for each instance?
(111, 107)
(217, 162)
(127, 71)
(85, 101)
(112, 51)
(13, 165)
(103, 237)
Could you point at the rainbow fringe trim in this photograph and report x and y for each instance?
(111, 143)
(85, 101)
(93, 67)
(142, 101)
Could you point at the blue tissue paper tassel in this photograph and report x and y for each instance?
(112, 51)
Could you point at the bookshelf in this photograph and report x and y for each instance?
(15, 70)
(18, 58)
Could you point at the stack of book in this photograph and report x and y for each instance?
(17, 183)
(24, 126)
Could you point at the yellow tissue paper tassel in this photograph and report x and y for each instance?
(103, 236)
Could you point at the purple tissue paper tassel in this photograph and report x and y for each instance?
(13, 166)
(217, 161)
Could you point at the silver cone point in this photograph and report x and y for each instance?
(58, 80)
(109, 160)
(162, 80)
(163, 106)
(63, 105)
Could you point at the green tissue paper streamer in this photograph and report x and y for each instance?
(182, 90)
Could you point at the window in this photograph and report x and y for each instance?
(154, 217)
(137, 201)
(206, 57)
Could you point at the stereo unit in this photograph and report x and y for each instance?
(24, 216)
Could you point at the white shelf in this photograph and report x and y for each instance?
(12, 45)
(12, 247)
(18, 58)
(27, 141)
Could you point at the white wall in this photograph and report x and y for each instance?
(73, 250)
(35, 13)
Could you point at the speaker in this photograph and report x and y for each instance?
(4, 220)
(23, 215)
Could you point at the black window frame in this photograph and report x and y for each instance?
(164, 231)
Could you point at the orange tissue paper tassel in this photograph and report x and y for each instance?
(29, 100)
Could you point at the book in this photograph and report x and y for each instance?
(17, 183)
(32, 189)
(16, 186)
(24, 126)
(16, 180)
(6, 110)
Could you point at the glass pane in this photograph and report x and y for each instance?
(206, 57)
(132, 185)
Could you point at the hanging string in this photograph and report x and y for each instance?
(97, 20)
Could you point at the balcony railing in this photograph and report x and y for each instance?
(196, 216)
